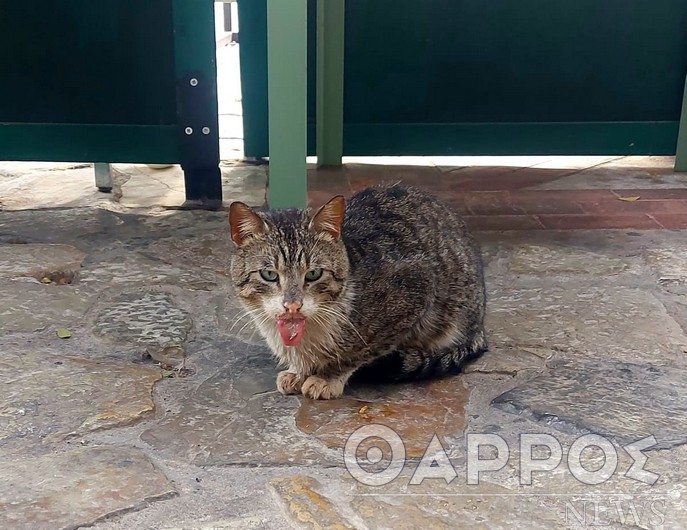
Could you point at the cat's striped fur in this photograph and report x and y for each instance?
(401, 295)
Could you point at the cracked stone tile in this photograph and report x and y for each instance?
(620, 400)
(34, 260)
(134, 269)
(668, 262)
(566, 260)
(47, 398)
(504, 500)
(236, 416)
(618, 503)
(28, 305)
(243, 523)
(37, 189)
(509, 361)
(147, 318)
(58, 226)
(411, 410)
(670, 265)
(615, 323)
(305, 506)
(206, 252)
(77, 488)
(147, 187)
(434, 504)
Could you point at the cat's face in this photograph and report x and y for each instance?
(290, 268)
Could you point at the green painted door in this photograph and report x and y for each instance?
(112, 81)
(497, 77)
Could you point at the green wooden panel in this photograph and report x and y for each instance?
(89, 143)
(591, 138)
(80, 61)
(112, 81)
(458, 69)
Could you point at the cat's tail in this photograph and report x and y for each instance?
(404, 366)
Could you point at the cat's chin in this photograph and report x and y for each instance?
(291, 331)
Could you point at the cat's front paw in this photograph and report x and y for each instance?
(317, 388)
(289, 382)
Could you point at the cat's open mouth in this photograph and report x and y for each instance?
(291, 329)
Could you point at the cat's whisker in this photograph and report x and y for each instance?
(246, 314)
(254, 316)
(344, 318)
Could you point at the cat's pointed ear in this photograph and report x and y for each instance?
(329, 217)
(244, 223)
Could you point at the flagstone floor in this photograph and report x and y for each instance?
(133, 397)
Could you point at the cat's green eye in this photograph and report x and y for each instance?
(269, 275)
(313, 275)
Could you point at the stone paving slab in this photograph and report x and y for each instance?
(79, 226)
(244, 419)
(411, 410)
(585, 326)
(39, 261)
(670, 265)
(23, 187)
(146, 318)
(566, 260)
(305, 506)
(616, 323)
(48, 398)
(76, 488)
(145, 188)
(433, 504)
(132, 270)
(209, 251)
(28, 305)
(624, 401)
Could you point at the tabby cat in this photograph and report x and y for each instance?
(388, 285)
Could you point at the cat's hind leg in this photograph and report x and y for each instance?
(413, 363)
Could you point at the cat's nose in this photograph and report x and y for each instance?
(293, 307)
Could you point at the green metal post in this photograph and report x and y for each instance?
(681, 150)
(287, 75)
(330, 78)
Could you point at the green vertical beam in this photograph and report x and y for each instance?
(681, 150)
(287, 97)
(330, 79)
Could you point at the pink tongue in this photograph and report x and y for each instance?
(291, 330)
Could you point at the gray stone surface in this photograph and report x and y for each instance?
(433, 504)
(130, 270)
(147, 318)
(670, 266)
(630, 172)
(77, 488)
(28, 305)
(48, 398)
(145, 188)
(623, 401)
(586, 328)
(38, 261)
(565, 260)
(510, 361)
(618, 323)
(83, 227)
(236, 416)
(209, 251)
